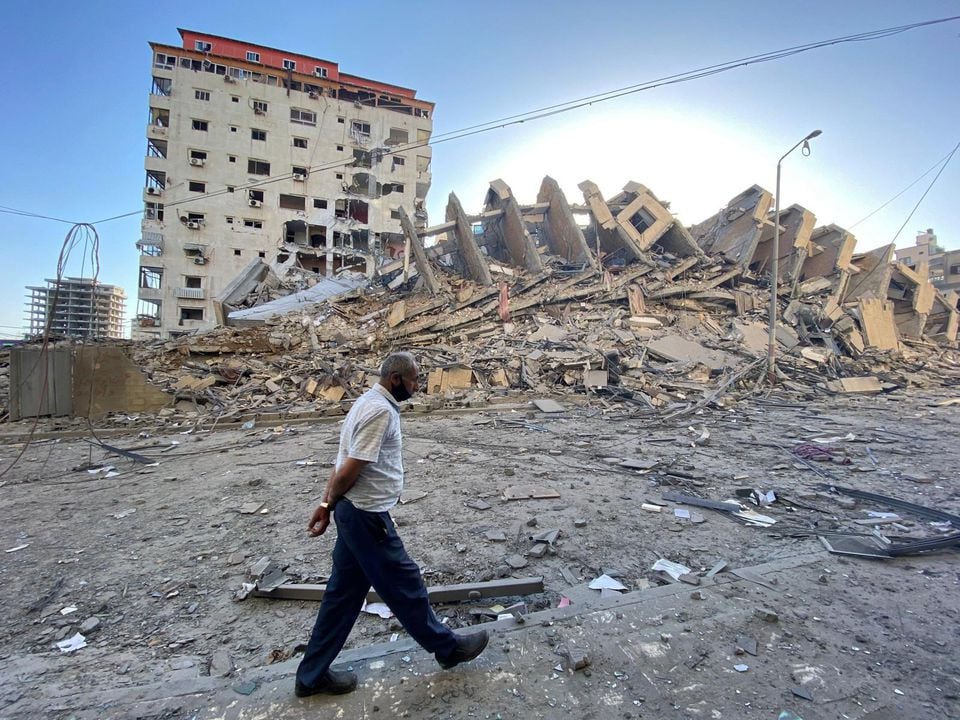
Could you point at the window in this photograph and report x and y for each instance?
(262, 254)
(258, 167)
(293, 202)
(360, 128)
(392, 187)
(339, 148)
(203, 45)
(289, 64)
(201, 95)
(237, 252)
(300, 143)
(253, 56)
(341, 120)
(151, 278)
(197, 186)
(260, 107)
(255, 195)
(398, 161)
(230, 188)
(153, 211)
(161, 86)
(320, 71)
(229, 219)
(201, 125)
(339, 176)
(362, 159)
(191, 314)
(192, 281)
(198, 154)
(156, 148)
(196, 217)
(320, 204)
(165, 62)
(232, 158)
(304, 117)
(234, 98)
(398, 136)
(258, 134)
(955, 269)
(234, 128)
(301, 171)
(395, 214)
(256, 224)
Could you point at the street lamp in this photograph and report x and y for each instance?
(775, 263)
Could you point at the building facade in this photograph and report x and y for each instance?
(258, 154)
(943, 266)
(81, 307)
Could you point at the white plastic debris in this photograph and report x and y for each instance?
(377, 608)
(674, 570)
(605, 582)
(67, 610)
(18, 547)
(72, 644)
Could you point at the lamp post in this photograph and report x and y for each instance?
(775, 264)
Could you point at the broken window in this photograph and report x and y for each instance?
(201, 95)
(161, 86)
(423, 163)
(255, 195)
(421, 112)
(198, 187)
(159, 117)
(353, 209)
(363, 184)
(320, 204)
(203, 45)
(258, 167)
(293, 202)
(362, 159)
(359, 128)
(148, 313)
(192, 281)
(299, 142)
(157, 148)
(151, 278)
(153, 211)
(293, 85)
(258, 134)
(423, 136)
(156, 181)
(151, 244)
(201, 125)
(164, 61)
(641, 221)
(289, 64)
(397, 161)
(255, 224)
(304, 117)
(189, 313)
(253, 56)
(389, 188)
(318, 236)
(260, 107)
(398, 136)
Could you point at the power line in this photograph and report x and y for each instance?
(569, 105)
(932, 168)
(929, 187)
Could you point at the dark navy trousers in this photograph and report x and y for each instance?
(368, 552)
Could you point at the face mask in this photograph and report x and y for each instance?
(400, 392)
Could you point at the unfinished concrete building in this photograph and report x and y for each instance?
(235, 131)
(79, 307)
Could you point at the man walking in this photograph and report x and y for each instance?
(365, 483)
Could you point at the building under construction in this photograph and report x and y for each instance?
(81, 307)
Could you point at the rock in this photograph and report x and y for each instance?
(690, 579)
(531, 522)
(579, 523)
(697, 595)
(221, 664)
(516, 561)
(767, 615)
(89, 625)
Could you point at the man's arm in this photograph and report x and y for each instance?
(338, 485)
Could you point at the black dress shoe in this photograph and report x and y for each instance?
(333, 683)
(468, 647)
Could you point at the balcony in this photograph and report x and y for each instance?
(148, 293)
(191, 293)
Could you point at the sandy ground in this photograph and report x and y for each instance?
(152, 557)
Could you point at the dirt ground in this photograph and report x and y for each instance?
(151, 557)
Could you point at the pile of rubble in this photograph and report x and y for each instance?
(615, 299)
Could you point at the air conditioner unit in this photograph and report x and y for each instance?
(255, 203)
(229, 79)
(197, 161)
(200, 260)
(299, 177)
(193, 224)
(314, 95)
(153, 191)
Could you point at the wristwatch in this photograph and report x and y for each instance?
(326, 506)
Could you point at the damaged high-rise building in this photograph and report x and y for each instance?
(259, 153)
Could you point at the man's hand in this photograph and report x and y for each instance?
(318, 521)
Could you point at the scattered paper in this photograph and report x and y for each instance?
(606, 582)
(67, 610)
(836, 438)
(681, 513)
(72, 644)
(377, 608)
(674, 570)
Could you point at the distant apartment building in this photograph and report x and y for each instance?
(258, 153)
(943, 266)
(80, 308)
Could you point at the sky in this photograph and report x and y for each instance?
(75, 81)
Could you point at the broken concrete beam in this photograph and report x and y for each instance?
(419, 253)
(796, 225)
(831, 250)
(436, 593)
(876, 321)
(868, 385)
(872, 275)
(511, 230)
(735, 230)
(678, 349)
(613, 238)
(561, 231)
(474, 265)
